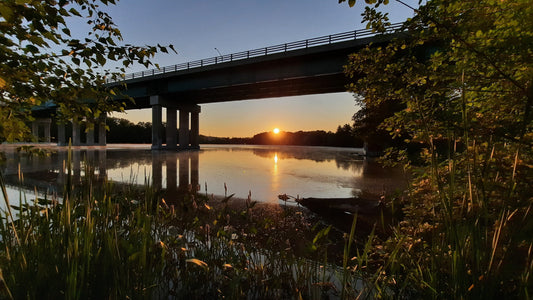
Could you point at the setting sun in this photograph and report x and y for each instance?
(276, 130)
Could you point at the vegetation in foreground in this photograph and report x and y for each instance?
(104, 241)
(461, 86)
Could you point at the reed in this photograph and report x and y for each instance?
(103, 240)
(468, 229)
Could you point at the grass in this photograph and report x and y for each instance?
(103, 240)
(465, 235)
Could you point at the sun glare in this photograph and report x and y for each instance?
(276, 130)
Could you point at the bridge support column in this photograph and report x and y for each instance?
(46, 123)
(184, 129)
(195, 127)
(35, 130)
(76, 137)
(61, 136)
(102, 141)
(172, 132)
(90, 136)
(157, 123)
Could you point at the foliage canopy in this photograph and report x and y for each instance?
(44, 62)
(462, 85)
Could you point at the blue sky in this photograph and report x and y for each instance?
(196, 28)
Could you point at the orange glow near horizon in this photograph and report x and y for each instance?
(276, 130)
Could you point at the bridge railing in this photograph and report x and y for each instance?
(323, 40)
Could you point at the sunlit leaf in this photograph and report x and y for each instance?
(197, 262)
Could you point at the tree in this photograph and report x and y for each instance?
(43, 61)
(462, 83)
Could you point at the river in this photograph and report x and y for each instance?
(263, 171)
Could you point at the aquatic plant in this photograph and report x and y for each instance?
(100, 239)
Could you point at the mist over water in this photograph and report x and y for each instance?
(265, 171)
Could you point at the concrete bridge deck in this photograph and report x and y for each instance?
(312, 66)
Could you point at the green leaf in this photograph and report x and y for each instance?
(6, 12)
(74, 12)
(32, 49)
(101, 59)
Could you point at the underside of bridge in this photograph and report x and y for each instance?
(313, 70)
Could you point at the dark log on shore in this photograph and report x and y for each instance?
(343, 205)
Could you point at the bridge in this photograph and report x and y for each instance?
(312, 66)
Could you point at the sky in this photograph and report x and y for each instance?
(196, 28)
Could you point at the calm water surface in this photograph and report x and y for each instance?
(265, 171)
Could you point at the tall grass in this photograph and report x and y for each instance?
(468, 228)
(104, 240)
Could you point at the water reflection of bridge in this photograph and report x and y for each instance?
(313, 171)
(182, 173)
(48, 174)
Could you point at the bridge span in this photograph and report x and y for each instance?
(313, 66)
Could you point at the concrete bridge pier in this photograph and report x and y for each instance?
(44, 122)
(76, 134)
(188, 135)
(184, 129)
(102, 132)
(100, 126)
(195, 127)
(89, 136)
(61, 135)
(171, 134)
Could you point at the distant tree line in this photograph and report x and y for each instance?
(125, 131)
(343, 137)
